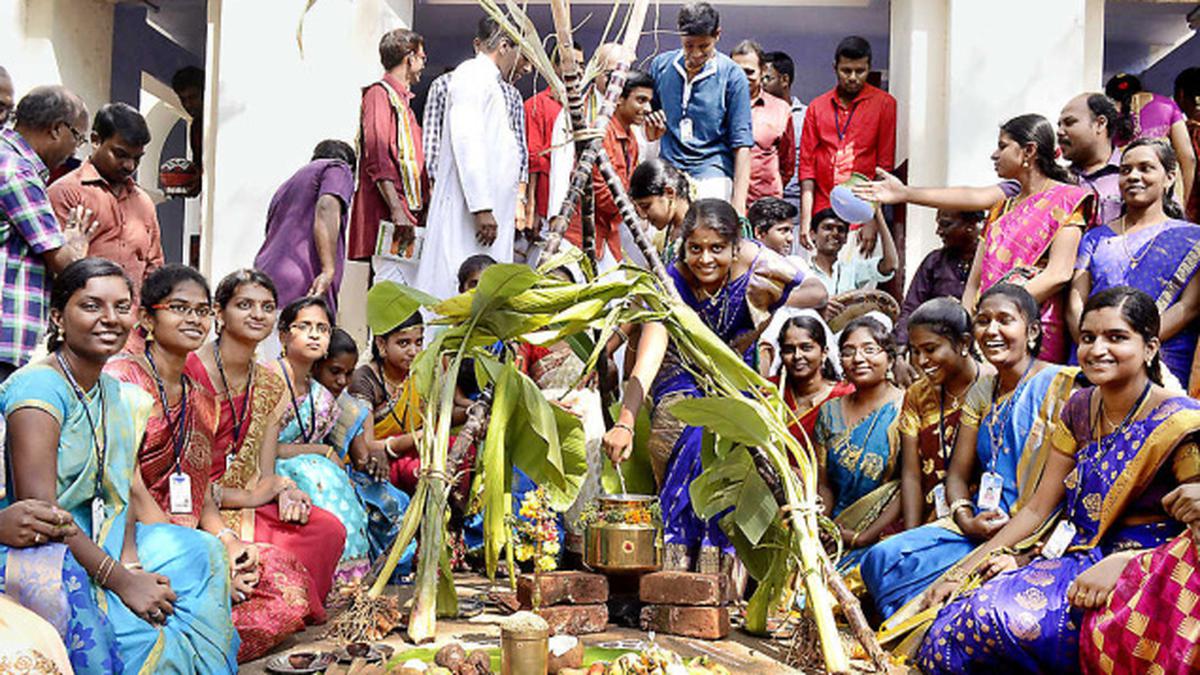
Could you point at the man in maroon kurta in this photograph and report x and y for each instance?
(391, 178)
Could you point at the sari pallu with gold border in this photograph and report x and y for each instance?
(1022, 619)
(317, 544)
(199, 636)
(1160, 261)
(1012, 442)
(1016, 240)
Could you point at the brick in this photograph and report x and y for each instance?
(575, 619)
(705, 623)
(564, 588)
(684, 588)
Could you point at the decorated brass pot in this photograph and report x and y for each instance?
(625, 535)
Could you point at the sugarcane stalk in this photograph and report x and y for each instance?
(852, 609)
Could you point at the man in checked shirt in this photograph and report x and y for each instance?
(50, 123)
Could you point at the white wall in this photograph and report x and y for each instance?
(67, 42)
(962, 67)
(269, 105)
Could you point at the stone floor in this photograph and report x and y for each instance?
(740, 653)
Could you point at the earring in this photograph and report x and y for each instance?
(1025, 164)
(1032, 345)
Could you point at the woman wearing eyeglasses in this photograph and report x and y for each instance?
(175, 459)
(262, 506)
(311, 412)
(857, 439)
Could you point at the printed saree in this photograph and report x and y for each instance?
(1021, 619)
(1016, 240)
(1010, 442)
(385, 503)
(310, 419)
(1159, 260)
(199, 636)
(316, 544)
(281, 599)
(1152, 621)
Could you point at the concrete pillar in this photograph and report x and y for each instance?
(269, 104)
(67, 42)
(959, 68)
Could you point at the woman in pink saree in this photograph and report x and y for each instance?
(1033, 230)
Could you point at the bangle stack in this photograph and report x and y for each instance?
(104, 571)
(959, 504)
(228, 531)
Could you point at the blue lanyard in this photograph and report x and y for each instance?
(178, 426)
(842, 131)
(99, 441)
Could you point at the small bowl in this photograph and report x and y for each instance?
(301, 660)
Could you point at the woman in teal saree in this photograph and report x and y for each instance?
(63, 406)
(305, 452)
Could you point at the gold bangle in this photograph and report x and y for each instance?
(854, 539)
(958, 504)
(104, 571)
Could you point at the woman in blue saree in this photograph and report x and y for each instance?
(365, 458)
(733, 285)
(126, 589)
(1117, 449)
(1002, 425)
(1149, 248)
(857, 441)
(311, 413)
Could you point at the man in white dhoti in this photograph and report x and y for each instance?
(474, 200)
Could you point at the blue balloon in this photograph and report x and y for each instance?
(849, 207)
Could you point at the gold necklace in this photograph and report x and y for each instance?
(1124, 236)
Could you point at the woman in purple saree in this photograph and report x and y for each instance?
(1118, 448)
(1149, 248)
(733, 284)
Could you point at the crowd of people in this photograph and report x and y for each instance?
(1008, 451)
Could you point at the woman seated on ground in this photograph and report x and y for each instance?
(165, 589)
(998, 447)
(856, 440)
(1156, 584)
(1150, 248)
(175, 459)
(1118, 448)
(304, 453)
(939, 343)
(729, 281)
(365, 457)
(261, 506)
(807, 378)
(30, 528)
(1031, 234)
(385, 386)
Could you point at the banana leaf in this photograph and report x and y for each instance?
(389, 304)
(739, 420)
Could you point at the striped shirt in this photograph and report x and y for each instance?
(28, 229)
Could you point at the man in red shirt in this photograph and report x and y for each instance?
(622, 150)
(851, 128)
(541, 110)
(773, 157)
(391, 177)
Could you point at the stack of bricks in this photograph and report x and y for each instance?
(573, 603)
(686, 603)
